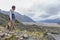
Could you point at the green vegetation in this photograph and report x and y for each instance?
(39, 32)
(13, 37)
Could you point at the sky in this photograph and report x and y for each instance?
(36, 9)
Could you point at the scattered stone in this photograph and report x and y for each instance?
(25, 36)
(21, 38)
(2, 35)
(11, 32)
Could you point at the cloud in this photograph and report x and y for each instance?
(46, 10)
(36, 9)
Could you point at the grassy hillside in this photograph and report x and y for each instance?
(31, 30)
(34, 31)
(4, 20)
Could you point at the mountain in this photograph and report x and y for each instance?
(23, 18)
(19, 17)
(4, 20)
(57, 20)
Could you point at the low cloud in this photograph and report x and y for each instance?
(47, 10)
(36, 9)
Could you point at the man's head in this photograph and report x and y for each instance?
(13, 7)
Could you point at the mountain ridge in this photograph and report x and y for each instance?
(19, 17)
(57, 20)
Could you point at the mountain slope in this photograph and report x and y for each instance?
(19, 17)
(57, 20)
(23, 18)
(4, 20)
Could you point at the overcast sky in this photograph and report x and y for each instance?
(36, 9)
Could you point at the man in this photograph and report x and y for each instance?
(11, 18)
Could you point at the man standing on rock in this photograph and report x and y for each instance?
(11, 18)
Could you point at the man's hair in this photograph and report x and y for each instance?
(13, 6)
